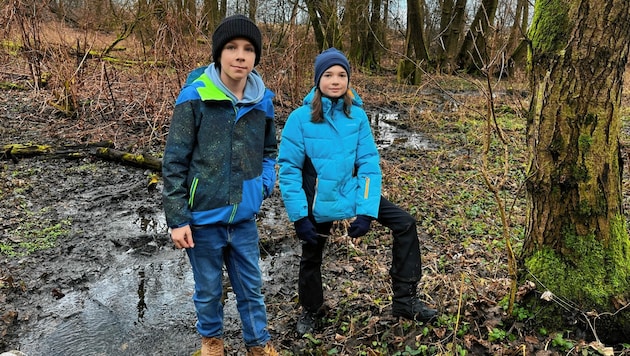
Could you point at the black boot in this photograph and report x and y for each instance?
(306, 322)
(406, 303)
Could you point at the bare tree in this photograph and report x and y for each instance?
(355, 20)
(253, 5)
(517, 43)
(325, 22)
(472, 53)
(374, 36)
(210, 15)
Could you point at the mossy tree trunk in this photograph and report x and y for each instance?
(211, 15)
(362, 26)
(355, 25)
(416, 54)
(373, 38)
(517, 45)
(576, 242)
(252, 8)
(452, 21)
(325, 22)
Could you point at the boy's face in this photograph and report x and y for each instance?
(334, 82)
(237, 60)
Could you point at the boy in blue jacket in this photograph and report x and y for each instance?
(218, 166)
(329, 170)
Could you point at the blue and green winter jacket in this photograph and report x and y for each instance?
(220, 155)
(329, 170)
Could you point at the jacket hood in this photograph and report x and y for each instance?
(254, 89)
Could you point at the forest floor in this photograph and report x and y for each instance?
(69, 223)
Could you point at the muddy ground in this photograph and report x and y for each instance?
(112, 283)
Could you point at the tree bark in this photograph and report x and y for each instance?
(355, 21)
(313, 15)
(576, 242)
(325, 23)
(138, 160)
(473, 56)
(210, 15)
(416, 54)
(330, 21)
(370, 56)
(451, 27)
(251, 8)
(517, 42)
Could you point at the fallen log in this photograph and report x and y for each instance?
(138, 160)
(103, 150)
(16, 150)
(13, 151)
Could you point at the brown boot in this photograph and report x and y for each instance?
(266, 350)
(211, 346)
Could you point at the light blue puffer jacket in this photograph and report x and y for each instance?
(329, 169)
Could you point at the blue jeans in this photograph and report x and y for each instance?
(237, 246)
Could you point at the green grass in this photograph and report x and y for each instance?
(30, 229)
(34, 234)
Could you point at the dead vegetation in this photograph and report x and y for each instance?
(73, 93)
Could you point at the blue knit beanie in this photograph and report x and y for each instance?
(232, 27)
(327, 59)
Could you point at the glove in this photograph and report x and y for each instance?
(305, 231)
(360, 226)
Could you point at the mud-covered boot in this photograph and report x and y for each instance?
(211, 346)
(266, 350)
(407, 305)
(306, 322)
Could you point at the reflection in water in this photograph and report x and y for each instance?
(134, 295)
(387, 134)
(121, 315)
(142, 305)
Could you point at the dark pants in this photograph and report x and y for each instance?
(406, 265)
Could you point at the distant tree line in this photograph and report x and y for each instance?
(444, 36)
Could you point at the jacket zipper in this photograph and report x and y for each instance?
(235, 206)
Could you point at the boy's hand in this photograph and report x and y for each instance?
(182, 237)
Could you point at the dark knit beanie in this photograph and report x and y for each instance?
(327, 59)
(232, 27)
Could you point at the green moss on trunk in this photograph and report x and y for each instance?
(586, 269)
(550, 26)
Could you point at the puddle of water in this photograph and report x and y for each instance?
(137, 301)
(142, 305)
(121, 287)
(387, 134)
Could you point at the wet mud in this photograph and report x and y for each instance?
(112, 284)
